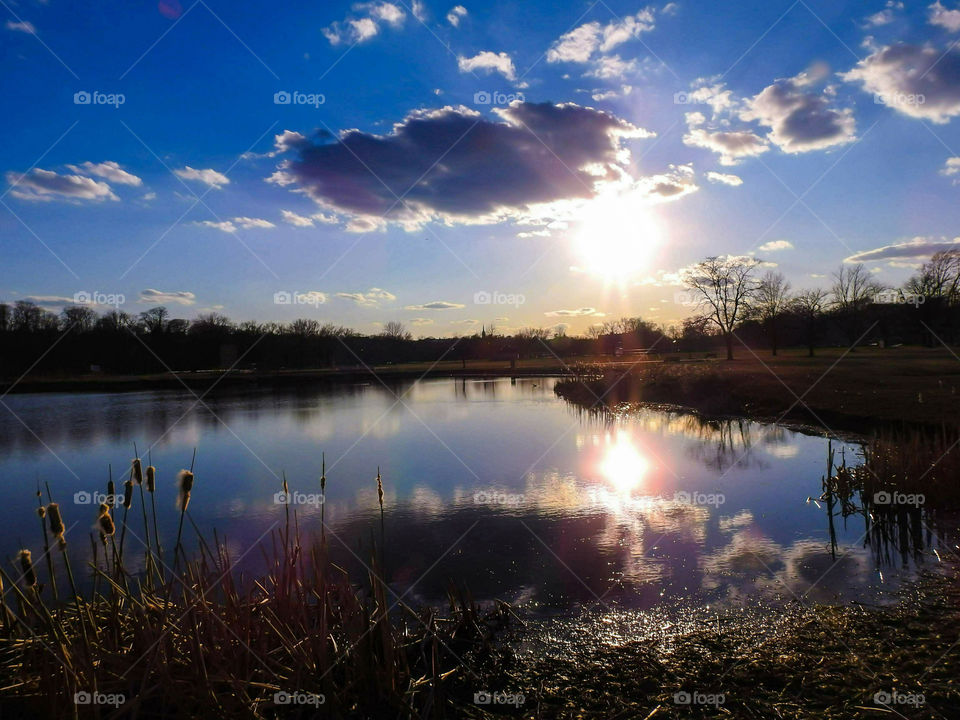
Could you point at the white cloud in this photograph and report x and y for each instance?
(732, 146)
(435, 305)
(885, 16)
(600, 95)
(419, 10)
(181, 297)
(774, 245)
(224, 225)
(951, 166)
(44, 185)
(208, 177)
(371, 298)
(366, 22)
(724, 178)
(296, 220)
(579, 312)
(149, 196)
(489, 62)
(677, 182)
(612, 67)
(918, 247)
(456, 12)
(582, 42)
(949, 19)
(920, 81)
(24, 27)
(248, 223)
(108, 170)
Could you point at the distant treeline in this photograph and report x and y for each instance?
(764, 313)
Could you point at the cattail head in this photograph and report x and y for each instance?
(26, 564)
(42, 512)
(185, 483)
(56, 521)
(323, 474)
(107, 528)
(151, 478)
(111, 493)
(379, 488)
(136, 469)
(128, 494)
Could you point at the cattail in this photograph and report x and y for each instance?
(137, 468)
(26, 563)
(185, 483)
(111, 493)
(128, 494)
(42, 512)
(323, 474)
(56, 521)
(380, 488)
(151, 478)
(107, 528)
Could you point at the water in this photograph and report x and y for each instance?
(495, 484)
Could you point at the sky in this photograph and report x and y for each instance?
(546, 164)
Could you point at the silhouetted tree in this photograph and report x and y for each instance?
(723, 285)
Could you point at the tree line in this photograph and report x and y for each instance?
(730, 304)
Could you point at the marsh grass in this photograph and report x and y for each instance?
(206, 641)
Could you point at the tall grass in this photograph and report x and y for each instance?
(206, 642)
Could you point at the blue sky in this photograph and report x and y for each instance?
(563, 160)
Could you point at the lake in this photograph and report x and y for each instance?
(495, 484)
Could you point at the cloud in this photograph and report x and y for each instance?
(671, 185)
(582, 42)
(456, 12)
(44, 185)
(774, 245)
(489, 62)
(208, 177)
(724, 178)
(108, 170)
(579, 312)
(918, 247)
(248, 223)
(951, 166)
(885, 16)
(296, 220)
(800, 120)
(731, 145)
(491, 170)
(50, 300)
(601, 95)
(612, 67)
(920, 81)
(181, 297)
(365, 23)
(939, 15)
(435, 305)
(372, 298)
(419, 10)
(418, 321)
(465, 322)
(224, 225)
(24, 27)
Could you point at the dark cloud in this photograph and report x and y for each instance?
(459, 165)
(800, 120)
(918, 247)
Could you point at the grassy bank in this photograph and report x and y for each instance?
(844, 391)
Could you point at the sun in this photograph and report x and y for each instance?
(617, 236)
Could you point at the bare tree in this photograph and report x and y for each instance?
(853, 292)
(770, 301)
(810, 306)
(395, 330)
(723, 286)
(78, 317)
(155, 319)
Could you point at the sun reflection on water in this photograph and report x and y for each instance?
(623, 465)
